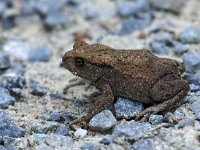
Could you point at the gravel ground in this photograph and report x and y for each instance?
(34, 112)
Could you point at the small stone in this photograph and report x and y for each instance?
(60, 117)
(195, 108)
(180, 49)
(102, 121)
(106, 140)
(144, 144)
(156, 119)
(89, 146)
(36, 88)
(8, 127)
(16, 92)
(194, 88)
(40, 54)
(169, 5)
(193, 78)
(80, 133)
(17, 49)
(63, 130)
(130, 25)
(91, 14)
(164, 37)
(8, 19)
(125, 108)
(38, 138)
(59, 140)
(5, 99)
(4, 61)
(11, 82)
(56, 19)
(191, 62)
(159, 48)
(190, 35)
(45, 128)
(132, 130)
(130, 8)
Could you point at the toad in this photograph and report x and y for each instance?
(134, 74)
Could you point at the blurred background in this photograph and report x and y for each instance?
(34, 35)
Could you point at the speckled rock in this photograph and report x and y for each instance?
(195, 108)
(125, 108)
(17, 49)
(102, 121)
(191, 61)
(156, 119)
(190, 35)
(80, 133)
(63, 130)
(4, 61)
(36, 88)
(132, 130)
(5, 99)
(168, 5)
(40, 54)
(8, 127)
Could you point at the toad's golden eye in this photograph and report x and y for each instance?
(79, 62)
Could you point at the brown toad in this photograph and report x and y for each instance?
(134, 74)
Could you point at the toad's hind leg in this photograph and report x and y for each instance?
(169, 93)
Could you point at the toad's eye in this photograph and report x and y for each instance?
(79, 62)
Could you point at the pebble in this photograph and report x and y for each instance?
(130, 8)
(8, 128)
(80, 133)
(60, 117)
(40, 54)
(5, 99)
(38, 138)
(17, 49)
(125, 108)
(191, 62)
(156, 119)
(4, 61)
(89, 146)
(132, 130)
(8, 19)
(190, 35)
(195, 108)
(59, 140)
(56, 19)
(169, 5)
(130, 25)
(102, 121)
(180, 49)
(159, 48)
(193, 78)
(144, 145)
(45, 128)
(36, 88)
(106, 140)
(194, 88)
(164, 37)
(63, 130)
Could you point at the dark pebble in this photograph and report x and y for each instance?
(180, 49)
(40, 54)
(8, 128)
(125, 108)
(6, 99)
(60, 117)
(192, 62)
(63, 130)
(130, 8)
(190, 35)
(130, 25)
(16, 92)
(4, 61)
(36, 88)
(10, 82)
(72, 3)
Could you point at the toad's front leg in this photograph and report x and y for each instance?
(105, 100)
